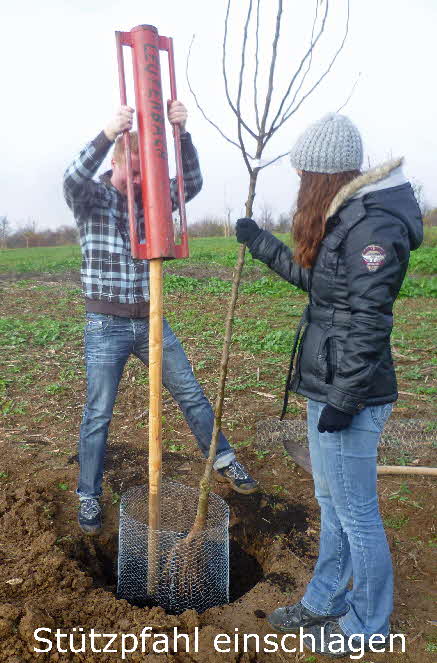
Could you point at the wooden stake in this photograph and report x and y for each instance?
(155, 420)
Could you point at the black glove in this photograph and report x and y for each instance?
(332, 420)
(247, 231)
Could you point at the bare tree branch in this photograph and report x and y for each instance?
(271, 75)
(310, 61)
(269, 163)
(225, 77)
(308, 54)
(237, 145)
(331, 64)
(240, 88)
(262, 138)
(255, 79)
(350, 94)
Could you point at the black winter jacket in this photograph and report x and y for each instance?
(344, 356)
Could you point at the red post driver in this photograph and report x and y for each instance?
(146, 45)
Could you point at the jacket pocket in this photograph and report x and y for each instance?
(337, 350)
(329, 255)
(330, 263)
(325, 360)
(330, 360)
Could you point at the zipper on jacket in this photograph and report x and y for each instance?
(329, 368)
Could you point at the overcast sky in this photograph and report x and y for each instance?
(60, 87)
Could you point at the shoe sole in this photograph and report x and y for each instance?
(237, 489)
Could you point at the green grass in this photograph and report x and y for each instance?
(423, 287)
(40, 259)
(41, 334)
(15, 332)
(210, 250)
(396, 522)
(219, 251)
(431, 645)
(430, 236)
(261, 338)
(403, 495)
(424, 260)
(275, 287)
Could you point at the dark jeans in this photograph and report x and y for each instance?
(109, 340)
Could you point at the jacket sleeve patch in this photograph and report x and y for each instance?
(373, 256)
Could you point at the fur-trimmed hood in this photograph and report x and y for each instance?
(374, 179)
(378, 186)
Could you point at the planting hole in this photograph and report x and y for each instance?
(256, 522)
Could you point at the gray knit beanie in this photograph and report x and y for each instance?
(331, 145)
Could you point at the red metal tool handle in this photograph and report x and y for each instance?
(120, 38)
(166, 43)
(158, 221)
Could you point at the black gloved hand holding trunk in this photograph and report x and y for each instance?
(247, 231)
(332, 420)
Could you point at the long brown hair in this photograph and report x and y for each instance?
(316, 193)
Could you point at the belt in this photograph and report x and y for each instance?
(330, 315)
(138, 310)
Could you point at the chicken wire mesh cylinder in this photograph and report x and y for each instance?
(184, 577)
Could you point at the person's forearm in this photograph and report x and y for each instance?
(278, 256)
(190, 158)
(191, 170)
(110, 134)
(79, 174)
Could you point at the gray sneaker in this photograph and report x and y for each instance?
(90, 515)
(292, 617)
(239, 478)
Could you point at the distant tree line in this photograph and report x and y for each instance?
(430, 220)
(222, 226)
(27, 235)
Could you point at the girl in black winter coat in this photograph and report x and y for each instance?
(352, 234)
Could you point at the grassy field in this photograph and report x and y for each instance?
(264, 326)
(213, 252)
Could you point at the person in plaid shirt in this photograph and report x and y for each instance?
(116, 289)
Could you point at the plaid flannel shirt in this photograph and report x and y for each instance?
(108, 271)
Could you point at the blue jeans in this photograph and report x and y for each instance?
(352, 537)
(109, 340)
